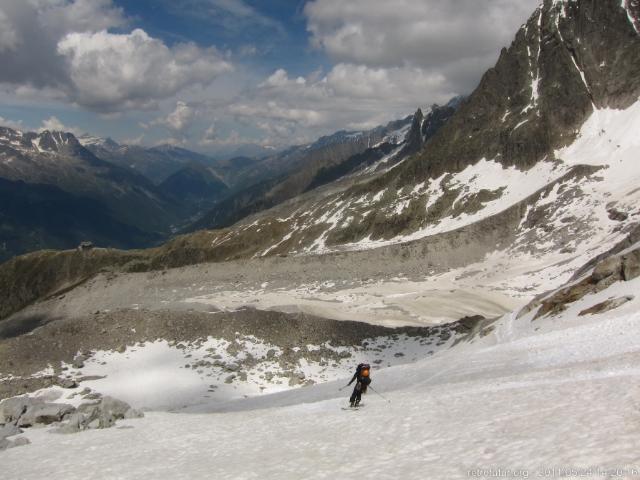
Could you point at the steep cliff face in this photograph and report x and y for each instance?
(570, 58)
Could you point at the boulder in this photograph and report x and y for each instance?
(68, 383)
(617, 215)
(631, 265)
(606, 306)
(115, 407)
(78, 362)
(75, 423)
(608, 267)
(45, 414)
(11, 409)
(105, 413)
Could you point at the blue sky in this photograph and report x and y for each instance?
(212, 75)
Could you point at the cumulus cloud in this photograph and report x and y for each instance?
(179, 120)
(456, 39)
(31, 30)
(53, 124)
(181, 117)
(133, 70)
(65, 45)
(16, 125)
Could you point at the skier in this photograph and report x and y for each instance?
(363, 380)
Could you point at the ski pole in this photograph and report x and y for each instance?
(342, 388)
(374, 391)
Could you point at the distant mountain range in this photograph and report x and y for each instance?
(539, 163)
(302, 168)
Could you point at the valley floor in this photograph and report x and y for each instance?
(530, 399)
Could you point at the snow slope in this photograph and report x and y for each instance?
(557, 393)
(174, 377)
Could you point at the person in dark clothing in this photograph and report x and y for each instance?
(363, 379)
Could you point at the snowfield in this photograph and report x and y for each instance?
(556, 393)
(393, 303)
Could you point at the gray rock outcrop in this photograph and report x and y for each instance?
(102, 414)
(17, 412)
(44, 414)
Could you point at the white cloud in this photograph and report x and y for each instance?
(65, 47)
(404, 85)
(181, 117)
(16, 125)
(31, 30)
(456, 39)
(54, 124)
(110, 71)
(179, 120)
(296, 109)
(280, 78)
